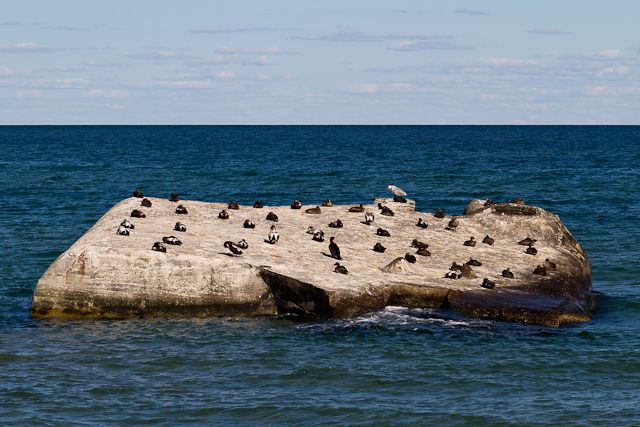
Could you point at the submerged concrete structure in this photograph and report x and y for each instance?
(105, 274)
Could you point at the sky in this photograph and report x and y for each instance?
(320, 62)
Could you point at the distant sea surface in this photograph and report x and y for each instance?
(394, 367)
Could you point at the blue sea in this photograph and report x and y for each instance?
(395, 367)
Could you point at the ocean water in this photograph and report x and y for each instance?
(394, 367)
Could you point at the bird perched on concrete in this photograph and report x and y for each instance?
(327, 203)
(549, 265)
(334, 249)
(507, 273)
(174, 197)
(453, 224)
(423, 252)
(540, 270)
(314, 211)
(259, 204)
(296, 204)
(368, 218)
(127, 224)
(340, 268)
(137, 193)
(311, 229)
(439, 213)
(248, 224)
(418, 244)
(122, 231)
(531, 250)
(171, 240)
(386, 211)
(528, 241)
(421, 223)
(488, 284)
(146, 203)
(318, 236)
(272, 217)
(474, 262)
(488, 240)
(274, 236)
(382, 232)
(410, 258)
(336, 224)
(357, 208)
(242, 244)
(223, 214)
(180, 226)
(137, 214)
(399, 199)
(158, 247)
(396, 190)
(232, 247)
(233, 206)
(379, 248)
(471, 242)
(181, 210)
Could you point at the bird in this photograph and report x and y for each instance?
(137, 193)
(223, 214)
(340, 268)
(489, 202)
(471, 242)
(272, 217)
(311, 229)
(146, 203)
(410, 258)
(452, 274)
(507, 274)
(439, 213)
(383, 232)
(418, 244)
(248, 224)
(158, 247)
(396, 190)
(423, 252)
(528, 241)
(336, 224)
(233, 206)
(455, 266)
(453, 224)
(488, 240)
(488, 284)
(368, 218)
(181, 210)
(174, 197)
(386, 211)
(122, 231)
(540, 270)
(518, 201)
(399, 199)
(296, 204)
(127, 224)
(327, 203)
(379, 248)
(318, 236)
(180, 226)
(315, 210)
(474, 262)
(259, 204)
(549, 265)
(171, 240)
(137, 214)
(421, 223)
(531, 250)
(334, 249)
(274, 236)
(232, 247)
(242, 244)
(357, 208)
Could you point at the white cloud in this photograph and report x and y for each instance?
(549, 32)
(108, 93)
(251, 51)
(620, 70)
(417, 45)
(387, 88)
(611, 90)
(5, 72)
(472, 12)
(29, 94)
(27, 47)
(510, 62)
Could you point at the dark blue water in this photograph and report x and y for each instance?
(396, 367)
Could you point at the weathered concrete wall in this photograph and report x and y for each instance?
(107, 275)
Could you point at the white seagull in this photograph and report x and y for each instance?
(397, 191)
